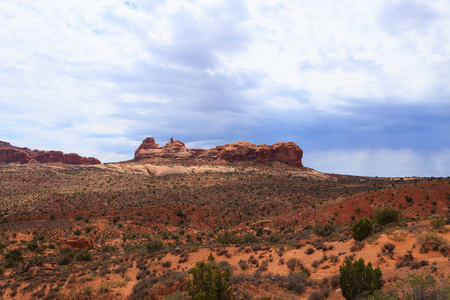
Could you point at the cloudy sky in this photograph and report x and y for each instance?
(363, 87)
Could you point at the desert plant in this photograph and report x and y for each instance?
(424, 286)
(405, 260)
(249, 239)
(63, 259)
(274, 239)
(209, 282)
(264, 265)
(356, 279)
(32, 245)
(310, 250)
(297, 282)
(321, 294)
(154, 244)
(362, 229)
(292, 263)
(243, 265)
(323, 230)
(386, 215)
(176, 296)
(13, 257)
(438, 223)
(389, 247)
(211, 257)
(167, 264)
(357, 246)
(434, 242)
(37, 260)
(227, 238)
(252, 260)
(334, 258)
(84, 255)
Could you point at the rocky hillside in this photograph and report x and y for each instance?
(9, 153)
(288, 153)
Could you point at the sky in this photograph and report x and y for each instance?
(363, 87)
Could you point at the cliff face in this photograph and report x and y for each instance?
(288, 153)
(9, 153)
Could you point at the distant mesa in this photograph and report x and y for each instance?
(288, 153)
(9, 153)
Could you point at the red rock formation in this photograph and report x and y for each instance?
(149, 143)
(9, 153)
(78, 242)
(288, 153)
(240, 151)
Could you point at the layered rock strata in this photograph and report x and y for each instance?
(9, 153)
(288, 153)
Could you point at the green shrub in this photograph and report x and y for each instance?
(358, 280)
(67, 250)
(323, 230)
(409, 199)
(438, 223)
(12, 257)
(84, 255)
(274, 239)
(154, 244)
(424, 287)
(259, 231)
(227, 238)
(362, 229)
(176, 296)
(63, 259)
(130, 236)
(386, 215)
(249, 239)
(108, 248)
(209, 282)
(37, 260)
(32, 245)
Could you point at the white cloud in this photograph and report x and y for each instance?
(380, 162)
(215, 70)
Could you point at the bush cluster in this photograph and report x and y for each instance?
(209, 282)
(362, 229)
(386, 215)
(358, 280)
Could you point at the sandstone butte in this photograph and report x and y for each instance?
(9, 153)
(288, 153)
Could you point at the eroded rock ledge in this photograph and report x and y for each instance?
(9, 153)
(288, 153)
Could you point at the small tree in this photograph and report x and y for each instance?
(209, 282)
(356, 279)
(362, 229)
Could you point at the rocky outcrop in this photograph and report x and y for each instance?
(9, 153)
(78, 242)
(288, 153)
